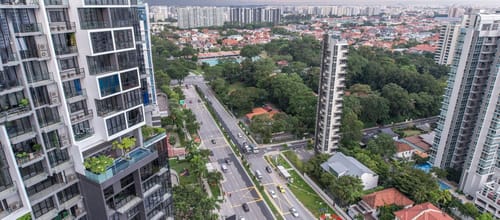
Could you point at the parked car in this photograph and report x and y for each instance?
(227, 161)
(246, 208)
(239, 135)
(268, 169)
(224, 168)
(213, 141)
(294, 212)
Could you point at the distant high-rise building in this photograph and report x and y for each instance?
(468, 130)
(193, 17)
(241, 16)
(448, 35)
(331, 90)
(75, 77)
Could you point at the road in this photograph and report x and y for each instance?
(257, 161)
(235, 182)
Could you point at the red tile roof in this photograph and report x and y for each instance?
(424, 211)
(387, 197)
(402, 147)
(417, 140)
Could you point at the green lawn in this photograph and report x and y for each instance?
(280, 161)
(179, 167)
(412, 132)
(215, 189)
(294, 159)
(307, 196)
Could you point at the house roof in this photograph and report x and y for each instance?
(424, 211)
(344, 165)
(402, 147)
(419, 142)
(260, 111)
(384, 197)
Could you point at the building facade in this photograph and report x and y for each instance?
(193, 17)
(448, 35)
(75, 77)
(468, 130)
(242, 16)
(331, 90)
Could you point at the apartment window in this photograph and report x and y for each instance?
(486, 27)
(32, 170)
(124, 182)
(64, 43)
(36, 71)
(116, 124)
(48, 116)
(132, 98)
(8, 78)
(19, 127)
(11, 100)
(109, 85)
(78, 106)
(82, 128)
(129, 79)
(124, 39)
(72, 88)
(68, 193)
(39, 187)
(145, 92)
(108, 192)
(57, 157)
(5, 178)
(121, 17)
(134, 117)
(109, 105)
(127, 60)
(68, 63)
(101, 64)
(51, 139)
(43, 207)
(57, 15)
(93, 18)
(101, 41)
(24, 146)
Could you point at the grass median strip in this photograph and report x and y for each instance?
(307, 196)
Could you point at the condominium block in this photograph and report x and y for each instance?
(193, 17)
(468, 130)
(75, 77)
(331, 90)
(448, 35)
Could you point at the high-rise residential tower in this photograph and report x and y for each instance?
(257, 15)
(75, 77)
(192, 17)
(468, 131)
(331, 90)
(448, 35)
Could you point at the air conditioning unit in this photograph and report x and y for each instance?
(43, 53)
(42, 47)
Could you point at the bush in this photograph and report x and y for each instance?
(295, 160)
(171, 140)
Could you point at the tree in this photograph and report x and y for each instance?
(382, 145)
(441, 198)
(469, 209)
(124, 145)
(399, 100)
(250, 51)
(346, 188)
(387, 212)
(177, 70)
(263, 125)
(350, 129)
(198, 166)
(485, 216)
(190, 202)
(313, 165)
(374, 109)
(214, 178)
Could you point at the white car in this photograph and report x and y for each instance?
(239, 135)
(294, 212)
(272, 193)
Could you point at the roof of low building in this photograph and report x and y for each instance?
(402, 147)
(345, 165)
(424, 211)
(390, 196)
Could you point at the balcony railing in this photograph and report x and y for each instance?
(120, 164)
(80, 116)
(75, 93)
(102, 69)
(27, 28)
(8, 84)
(20, 2)
(15, 110)
(23, 160)
(63, 50)
(94, 24)
(71, 73)
(40, 77)
(83, 133)
(56, 2)
(62, 26)
(8, 57)
(106, 2)
(153, 139)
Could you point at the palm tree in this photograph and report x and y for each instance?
(214, 177)
(198, 166)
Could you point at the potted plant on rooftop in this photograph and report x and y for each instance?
(99, 164)
(24, 102)
(124, 145)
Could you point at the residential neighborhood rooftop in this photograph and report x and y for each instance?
(345, 165)
(384, 197)
(424, 211)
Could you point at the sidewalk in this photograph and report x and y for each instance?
(318, 190)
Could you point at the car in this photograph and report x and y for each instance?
(294, 212)
(199, 100)
(272, 193)
(255, 150)
(268, 169)
(281, 189)
(227, 161)
(224, 168)
(241, 218)
(213, 141)
(239, 135)
(246, 208)
(211, 153)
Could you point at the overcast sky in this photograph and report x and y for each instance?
(489, 3)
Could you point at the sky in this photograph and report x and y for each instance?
(490, 3)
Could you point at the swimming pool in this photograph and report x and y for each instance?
(215, 61)
(426, 167)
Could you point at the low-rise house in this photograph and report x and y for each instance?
(341, 165)
(404, 151)
(424, 211)
(369, 204)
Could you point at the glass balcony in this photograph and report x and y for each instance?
(62, 26)
(75, 93)
(8, 57)
(120, 164)
(94, 24)
(28, 28)
(106, 2)
(72, 73)
(9, 84)
(83, 133)
(33, 78)
(20, 2)
(81, 115)
(64, 50)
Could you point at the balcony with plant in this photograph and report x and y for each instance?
(152, 134)
(28, 154)
(124, 154)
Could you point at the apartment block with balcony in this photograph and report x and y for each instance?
(58, 107)
(468, 130)
(331, 90)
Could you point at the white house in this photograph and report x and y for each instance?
(404, 151)
(341, 165)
